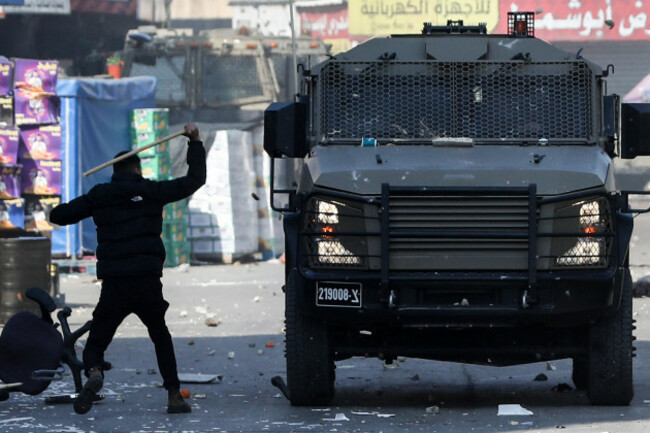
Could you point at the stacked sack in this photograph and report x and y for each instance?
(30, 144)
(149, 125)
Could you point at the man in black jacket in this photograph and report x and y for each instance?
(130, 255)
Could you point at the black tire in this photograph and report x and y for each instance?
(310, 364)
(580, 373)
(610, 354)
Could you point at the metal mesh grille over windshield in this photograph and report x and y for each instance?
(169, 72)
(479, 100)
(229, 78)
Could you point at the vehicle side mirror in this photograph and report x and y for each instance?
(611, 125)
(285, 129)
(635, 130)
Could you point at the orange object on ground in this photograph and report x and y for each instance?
(185, 393)
(270, 344)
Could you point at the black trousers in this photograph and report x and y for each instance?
(121, 297)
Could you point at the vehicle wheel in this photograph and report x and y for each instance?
(610, 354)
(310, 364)
(580, 374)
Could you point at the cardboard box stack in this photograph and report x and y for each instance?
(149, 125)
(175, 233)
(30, 143)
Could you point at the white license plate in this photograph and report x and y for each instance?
(338, 294)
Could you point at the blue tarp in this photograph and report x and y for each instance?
(95, 126)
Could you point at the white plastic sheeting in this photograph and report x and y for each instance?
(223, 218)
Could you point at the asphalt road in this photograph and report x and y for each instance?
(413, 396)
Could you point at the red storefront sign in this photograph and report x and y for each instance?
(329, 22)
(119, 7)
(569, 20)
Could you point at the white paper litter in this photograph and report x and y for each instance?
(15, 420)
(513, 410)
(377, 414)
(338, 417)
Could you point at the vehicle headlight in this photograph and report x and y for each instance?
(590, 221)
(333, 233)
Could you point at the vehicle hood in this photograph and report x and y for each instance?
(362, 170)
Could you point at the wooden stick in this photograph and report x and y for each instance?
(10, 385)
(133, 152)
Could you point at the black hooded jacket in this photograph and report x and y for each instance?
(128, 215)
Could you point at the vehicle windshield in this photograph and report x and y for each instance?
(485, 102)
(169, 71)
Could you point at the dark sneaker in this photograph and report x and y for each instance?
(176, 403)
(84, 401)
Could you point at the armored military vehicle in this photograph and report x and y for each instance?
(221, 75)
(455, 202)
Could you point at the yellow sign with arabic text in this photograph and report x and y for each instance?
(383, 17)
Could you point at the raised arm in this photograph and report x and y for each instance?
(179, 188)
(71, 212)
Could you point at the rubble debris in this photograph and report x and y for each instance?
(434, 410)
(270, 344)
(513, 410)
(541, 377)
(338, 417)
(231, 355)
(151, 371)
(641, 287)
(416, 377)
(550, 367)
(212, 322)
(562, 387)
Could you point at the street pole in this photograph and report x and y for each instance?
(168, 18)
(293, 49)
